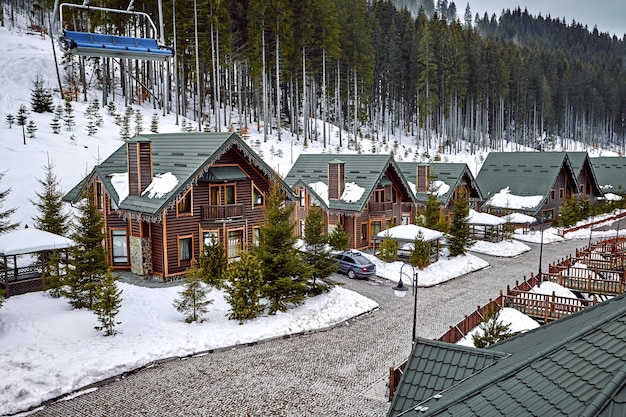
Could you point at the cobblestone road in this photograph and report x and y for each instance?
(339, 372)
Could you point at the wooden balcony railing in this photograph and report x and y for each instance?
(379, 208)
(223, 212)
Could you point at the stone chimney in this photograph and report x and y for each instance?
(422, 178)
(139, 153)
(336, 178)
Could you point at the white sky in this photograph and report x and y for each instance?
(608, 15)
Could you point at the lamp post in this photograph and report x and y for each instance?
(400, 291)
(540, 254)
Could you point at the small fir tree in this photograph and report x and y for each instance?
(154, 124)
(243, 288)
(193, 300)
(138, 122)
(31, 128)
(460, 234)
(567, 213)
(22, 119)
(49, 204)
(213, 263)
(338, 238)
(508, 228)
(41, 98)
(87, 257)
(9, 120)
(125, 133)
(95, 110)
(285, 279)
(55, 124)
(492, 330)
(388, 249)
(420, 254)
(433, 218)
(68, 116)
(52, 277)
(107, 304)
(91, 128)
(5, 222)
(111, 109)
(317, 253)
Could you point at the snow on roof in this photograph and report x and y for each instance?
(352, 193)
(519, 218)
(31, 240)
(161, 184)
(120, 183)
(439, 188)
(321, 189)
(410, 232)
(484, 219)
(612, 197)
(504, 198)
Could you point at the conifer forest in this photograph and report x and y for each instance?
(378, 69)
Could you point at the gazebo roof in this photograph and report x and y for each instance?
(484, 219)
(408, 232)
(31, 240)
(520, 218)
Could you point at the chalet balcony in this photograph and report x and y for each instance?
(222, 212)
(381, 208)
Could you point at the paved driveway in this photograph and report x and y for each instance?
(339, 372)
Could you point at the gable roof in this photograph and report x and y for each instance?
(580, 161)
(526, 174)
(188, 156)
(610, 172)
(572, 366)
(367, 171)
(450, 173)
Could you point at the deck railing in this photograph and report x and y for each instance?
(222, 212)
(378, 208)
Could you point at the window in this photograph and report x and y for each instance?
(552, 195)
(302, 198)
(235, 243)
(184, 205)
(301, 228)
(394, 195)
(364, 234)
(258, 199)
(185, 245)
(222, 194)
(406, 218)
(376, 227)
(209, 237)
(379, 196)
(561, 193)
(256, 235)
(582, 188)
(120, 247)
(99, 195)
(547, 215)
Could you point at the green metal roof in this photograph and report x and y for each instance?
(525, 173)
(579, 160)
(572, 366)
(448, 172)
(611, 172)
(367, 171)
(186, 155)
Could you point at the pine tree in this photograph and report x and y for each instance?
(420, 254)
(55, 124)
(193, 298)
(243, 288)
(41, 98)
(338, 238)
(9, 120)
(125, 128)
(285, 282)
(491, 330)
(31, 128)
(388, 249)
(52, 278)
(138, 122)
(95, 110)
(22, 118)
(508, 228)
(5, 223)
(88, 257)
(460, 235)
(107, 304)
(49, 204)
(92, 128)
(68, 116)
(154, 124)
(567, 213)
(433, 218)
(213, 263)
(317, 252)
(111, 109)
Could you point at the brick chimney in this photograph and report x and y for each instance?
(336, 178)
(422, 178)
(139, 153)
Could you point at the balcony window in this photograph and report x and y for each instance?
(222, 194)
(183, 208)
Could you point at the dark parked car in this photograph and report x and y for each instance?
(355, 265)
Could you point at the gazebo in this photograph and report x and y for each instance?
(406, 234)
(485, 226)
(520, 220)
(20, 274)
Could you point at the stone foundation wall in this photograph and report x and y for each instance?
(140, 255)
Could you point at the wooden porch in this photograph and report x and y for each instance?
(222, 212)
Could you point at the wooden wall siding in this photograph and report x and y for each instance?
(135, 228)
(156, 231)
(132, 153)
(145, 165)
(422, 178)
(336, 179)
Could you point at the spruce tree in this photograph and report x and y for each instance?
(125, 133)
(193, 298)
(68, 116)
(243, 288)
(492, 330)
(41, 98)
(433, 219)
(460, 235)
(138, 122)
(31, 128)
(111, 109)
(49, 204)
(107, 304)
(87, 257)
(420, 254)
(338, 238)
(317, 253)
(9, 120)
(388, 250)
(154, 124)
(52, 279)
(5, 222)
(213, 263)
(55, 124)
(22, 118)
(285, 283)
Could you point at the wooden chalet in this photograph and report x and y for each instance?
(444, 179)
(164, 195)
(533, 183)
(365, 193)
(588, 186)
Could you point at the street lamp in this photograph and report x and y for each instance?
(400, 291)
(540, 254)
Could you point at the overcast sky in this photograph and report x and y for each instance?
(608, 15)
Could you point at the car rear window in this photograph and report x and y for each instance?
(361, 260)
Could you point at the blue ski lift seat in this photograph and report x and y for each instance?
(97, 44)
